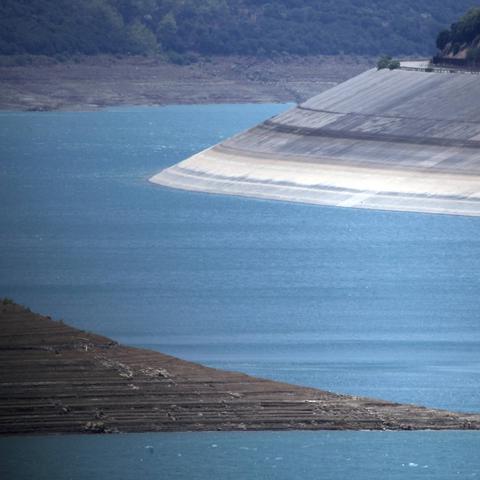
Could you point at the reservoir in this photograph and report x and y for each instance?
(364, 302)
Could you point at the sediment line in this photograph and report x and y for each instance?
(373, 137)
(57, 379)
(223, 172)
(383, 115)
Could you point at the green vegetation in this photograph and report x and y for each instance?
(465, 31)
(463, 35)
(7, 301)
(387, 62)
(183, 29)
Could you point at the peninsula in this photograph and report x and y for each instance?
(57, 379)
(405, 139)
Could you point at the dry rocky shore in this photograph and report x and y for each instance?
(88, 83)
(57, 379)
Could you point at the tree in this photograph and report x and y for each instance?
(383, 62)
(393, 65)
(443, 38)
(387, 62)
(140, 39)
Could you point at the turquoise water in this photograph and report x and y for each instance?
(240, 456)
(371, 303)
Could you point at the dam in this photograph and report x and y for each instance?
(405, 139)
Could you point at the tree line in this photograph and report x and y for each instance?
(463, 35)
(183, 29)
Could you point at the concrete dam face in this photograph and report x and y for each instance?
(390, 140)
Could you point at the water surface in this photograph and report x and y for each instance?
(240, 456)
(374, 303)
(383, 304)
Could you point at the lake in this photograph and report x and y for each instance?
(383, 304)
(245, 455)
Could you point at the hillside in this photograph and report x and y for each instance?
(57, 379)
(185, 28)
(99, 81)
(461, 43)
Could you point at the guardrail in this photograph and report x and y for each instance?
(444, 69)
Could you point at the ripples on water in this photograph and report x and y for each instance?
(240, 456)
(372, 303)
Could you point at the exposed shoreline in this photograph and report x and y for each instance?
(57, 379)
(97, 82)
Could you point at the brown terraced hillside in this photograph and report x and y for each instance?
(57, 379)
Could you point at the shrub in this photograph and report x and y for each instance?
(394, 64)
(182, 58)
(383, 62)
(387, 62)
(443, 39)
